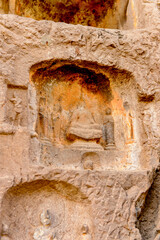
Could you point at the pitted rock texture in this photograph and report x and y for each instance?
(79, 130)
(105, 201)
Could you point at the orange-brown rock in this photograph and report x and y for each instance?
(79, 120)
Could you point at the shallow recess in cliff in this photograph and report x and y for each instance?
(96, 13)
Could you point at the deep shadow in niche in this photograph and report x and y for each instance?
(87, 78)
(96, 13)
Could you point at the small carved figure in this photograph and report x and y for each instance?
(42, 119)
(85, 233)
(109, 129)
(88, 165)
(18, 108)
(129, 124)
(147, 123)
(91, 161)
(45, 232)
(5, 232)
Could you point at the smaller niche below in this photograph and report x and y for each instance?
(37, 211)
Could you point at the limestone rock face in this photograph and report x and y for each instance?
(79, 126)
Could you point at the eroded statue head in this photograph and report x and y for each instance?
(46, 218)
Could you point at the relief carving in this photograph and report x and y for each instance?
(91, 161)
(85, 233)
(84, 129)
(109, 129)
(18, 108)
(15, 115)
(129, 131)
(83, 125)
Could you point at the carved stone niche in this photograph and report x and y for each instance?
(82, 109)
(72, 103)
(46, 210)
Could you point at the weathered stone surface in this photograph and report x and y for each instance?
(106, 201)
(79, 129)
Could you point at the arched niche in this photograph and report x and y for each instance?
(71, 103)
(24, 207)
(85, 107)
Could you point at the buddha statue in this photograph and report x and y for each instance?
(85, 233)
(129, 129)
(45, 232)
(83, 127)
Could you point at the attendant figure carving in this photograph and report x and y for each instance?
(109, 129)
(18, 108)
(129, 124)
(42, 126)
(129, 127)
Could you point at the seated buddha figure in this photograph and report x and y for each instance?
(85, 233)
(83, 127)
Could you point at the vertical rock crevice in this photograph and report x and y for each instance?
(148, 220)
